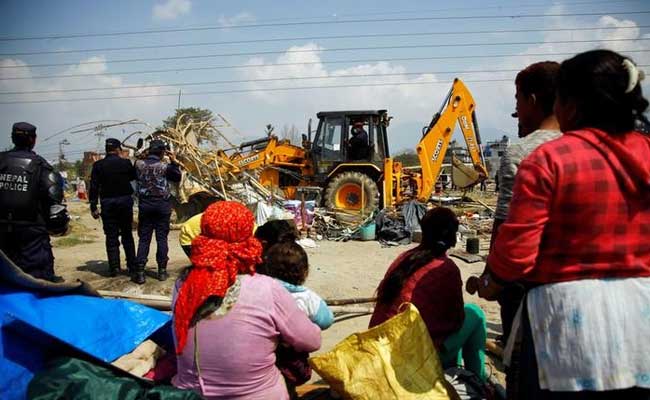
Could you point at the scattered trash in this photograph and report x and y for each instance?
(307, 243)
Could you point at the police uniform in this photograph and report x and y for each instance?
(154, 207)
(30, 205)
(110, 184)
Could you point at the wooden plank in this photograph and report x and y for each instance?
(164, 303)
(343, 302)
(465, 256)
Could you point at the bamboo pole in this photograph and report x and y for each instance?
(164, 302)
(343, 302)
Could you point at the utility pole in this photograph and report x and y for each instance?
(62, 143)
(179, 100)
(99, 132)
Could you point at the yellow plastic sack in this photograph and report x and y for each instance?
(394, 360)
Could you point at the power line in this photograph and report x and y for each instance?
(484, 7)
(235, 91)
(261, 80)
(74, 152)
(333, 22)
(367, 60)
(302, 38)
(257, 53)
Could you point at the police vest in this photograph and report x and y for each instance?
(152, 179)
(19, 186)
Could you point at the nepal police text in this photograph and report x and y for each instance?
(14, 183)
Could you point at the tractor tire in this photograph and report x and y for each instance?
(343, 196)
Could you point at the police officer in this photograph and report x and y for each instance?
(154, 197)
(30, 205)
(110, 181)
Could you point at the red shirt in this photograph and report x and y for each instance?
(580, 209)
(436, 290)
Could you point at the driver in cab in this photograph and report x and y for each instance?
(358, 146)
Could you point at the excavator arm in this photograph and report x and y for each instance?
(458, 107)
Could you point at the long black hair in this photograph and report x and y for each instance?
(439, 227)
(276, 231)
(595, 82)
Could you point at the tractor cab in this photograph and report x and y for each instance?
(348, 153)
(349, 137)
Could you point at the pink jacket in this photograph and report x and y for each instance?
(237, 351)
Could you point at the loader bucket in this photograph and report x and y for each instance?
(464, 176)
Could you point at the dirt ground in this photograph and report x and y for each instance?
(338, 270)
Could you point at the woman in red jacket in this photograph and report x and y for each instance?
(578, 231)
(426, 277)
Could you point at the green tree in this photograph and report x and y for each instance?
(408, 158)
(195, 113)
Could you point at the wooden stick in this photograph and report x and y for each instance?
(343, 302)
(158, 299)
(352, 309)
(483, 204)
(162, 303)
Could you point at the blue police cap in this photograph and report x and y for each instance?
(157, 145)
(113, 144)
(23, 128)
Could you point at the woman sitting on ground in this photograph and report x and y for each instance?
(228, 320)
(426, 277)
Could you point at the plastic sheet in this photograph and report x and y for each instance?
(105, 329)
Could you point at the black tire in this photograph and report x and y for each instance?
(351, 204)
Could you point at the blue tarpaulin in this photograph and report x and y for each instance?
(102, 328)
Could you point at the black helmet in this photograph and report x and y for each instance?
(57, 222)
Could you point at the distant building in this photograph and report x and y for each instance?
(492, 151)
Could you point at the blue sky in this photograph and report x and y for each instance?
(411, 103)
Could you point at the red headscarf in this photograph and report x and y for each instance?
(226, 247)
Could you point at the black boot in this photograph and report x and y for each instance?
(131, 266)
(113, 261)
(138, 275)
(162, 272)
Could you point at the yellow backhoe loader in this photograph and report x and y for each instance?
(348, 160)
(370, 179)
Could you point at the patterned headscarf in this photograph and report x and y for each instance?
(226, 247)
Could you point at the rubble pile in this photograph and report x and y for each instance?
(208, 170)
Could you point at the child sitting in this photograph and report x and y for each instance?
(288, 263)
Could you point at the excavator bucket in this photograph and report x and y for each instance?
(464, 176)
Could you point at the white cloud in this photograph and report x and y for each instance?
(52, 117)
(171, 9)
(410, 103)
(495, 101)
(238, 19)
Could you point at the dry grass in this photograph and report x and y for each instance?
(78, 234)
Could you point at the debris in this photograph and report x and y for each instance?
(446, 200)
(465, 256)
(307, 243)
(207, 170)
